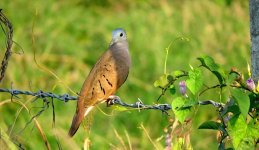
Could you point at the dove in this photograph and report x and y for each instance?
(105, 78)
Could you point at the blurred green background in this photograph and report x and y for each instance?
(69, 36)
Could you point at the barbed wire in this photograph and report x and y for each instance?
(140, 105)
(39, 94)
(115, 101)
(162, 107)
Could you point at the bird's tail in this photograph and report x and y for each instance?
(78, 118)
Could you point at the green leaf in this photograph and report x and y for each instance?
(161, 82)
(172, 89)
(190, 102)
(177, 73)
(210, 125)
(170, 78)
(251, 136)
(234, 109)
(253, 129)
(238, 131)
(230, 106)
(195, 82)
(231, 78)
(229, 149)
(210, 64)
(242, 100)
(180, 112)
(119, 108)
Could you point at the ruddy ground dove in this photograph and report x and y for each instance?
(107, 75)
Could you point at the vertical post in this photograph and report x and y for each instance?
(254, 33)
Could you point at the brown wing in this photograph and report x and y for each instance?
(107, 75)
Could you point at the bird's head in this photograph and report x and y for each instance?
(118, 35)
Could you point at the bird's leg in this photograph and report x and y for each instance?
(110, 100)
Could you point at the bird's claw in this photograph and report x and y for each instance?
(111, 100)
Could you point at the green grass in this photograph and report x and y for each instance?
(69, 38)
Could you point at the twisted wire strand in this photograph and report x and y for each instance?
(8, 30)
(116, 101)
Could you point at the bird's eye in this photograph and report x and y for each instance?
(121, 34)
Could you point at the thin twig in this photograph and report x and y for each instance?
(148, 136)
(53, 113)
(209, 88)
(9, 42)
(164, 89)
(42, 134)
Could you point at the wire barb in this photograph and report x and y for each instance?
(140, 105)
(215, 104)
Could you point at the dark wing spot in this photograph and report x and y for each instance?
(101, 87)
(93, 92)
(103, 91)
(106, 67)
(107, 80)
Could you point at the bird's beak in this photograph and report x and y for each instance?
(113, 41)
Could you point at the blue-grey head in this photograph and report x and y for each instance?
(118, 35)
